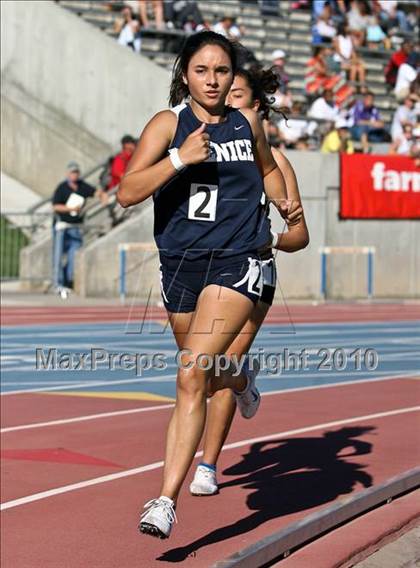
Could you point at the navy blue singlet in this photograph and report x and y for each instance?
(213, 208)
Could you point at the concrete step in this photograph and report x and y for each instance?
(251, 43)
(220, 9)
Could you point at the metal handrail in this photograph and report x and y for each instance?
(84, 176)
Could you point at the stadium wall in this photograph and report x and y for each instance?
(397, 263)
(68, 91)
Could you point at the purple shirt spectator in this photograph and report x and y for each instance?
(362, 112)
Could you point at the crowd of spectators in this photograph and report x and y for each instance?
(182, 15)
(371, 23)
(339, 112)
(336, 90)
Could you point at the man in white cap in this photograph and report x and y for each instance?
(283, 95)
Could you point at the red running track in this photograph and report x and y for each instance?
(263, 487)
(287, 314)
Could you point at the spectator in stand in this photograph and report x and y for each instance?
(346, 55)
(367, 124)
(406, 144)
(403, 116)
(296, 127)
(283, 96)
(395, 61)
(375, 34)
(415, 86)
(318, 77)
(300, 4)
(183, 15)
(134, 5)
(392, 18)
(358, 21)
(339, 139)
(228, 28)
(68, 200)
(120, 161)
(269, 7)
(205, 26)
(128, 28)
(406, 76)
(415, 150)
(324, 29)
(317, 7)
(324, 107)
(302, 144)
(157, 6)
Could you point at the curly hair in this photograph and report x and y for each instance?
(178, 89)
(263, 83)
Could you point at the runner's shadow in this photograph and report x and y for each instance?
(287, 476)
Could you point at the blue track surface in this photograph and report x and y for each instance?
(397, 345)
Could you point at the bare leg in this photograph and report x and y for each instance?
(365, 142)
(222, 404)
(158, 11)
(217, 321)
(362, 73)
(143, 13)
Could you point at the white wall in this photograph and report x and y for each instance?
(68, 92)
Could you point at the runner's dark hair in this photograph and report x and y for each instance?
(179, 90)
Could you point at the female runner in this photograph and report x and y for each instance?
(209, 228)
(249, 90)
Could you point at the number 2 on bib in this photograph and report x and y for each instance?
(203, 201)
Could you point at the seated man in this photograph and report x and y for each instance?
(324, 107)
(367, 124)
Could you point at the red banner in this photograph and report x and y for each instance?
(379, 187)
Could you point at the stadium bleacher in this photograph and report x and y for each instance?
(290, 30)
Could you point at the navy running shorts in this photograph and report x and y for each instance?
(183, 280)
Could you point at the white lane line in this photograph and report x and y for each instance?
(344, 383)
(82, 385)
(46, 382)
(297, 375)
(86, 417)
(159, 464)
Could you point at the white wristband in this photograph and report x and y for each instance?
(176, 160)
(275, 239)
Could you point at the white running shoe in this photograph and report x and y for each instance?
(159, 517)
(249, 399)
(63, 292)
(204, 482)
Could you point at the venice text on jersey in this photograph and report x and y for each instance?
(233, 151)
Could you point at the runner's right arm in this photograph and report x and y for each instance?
(149, 167)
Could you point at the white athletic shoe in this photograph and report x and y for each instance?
(63, 292)
(204, 482)
(249, 399)
(159, 517)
